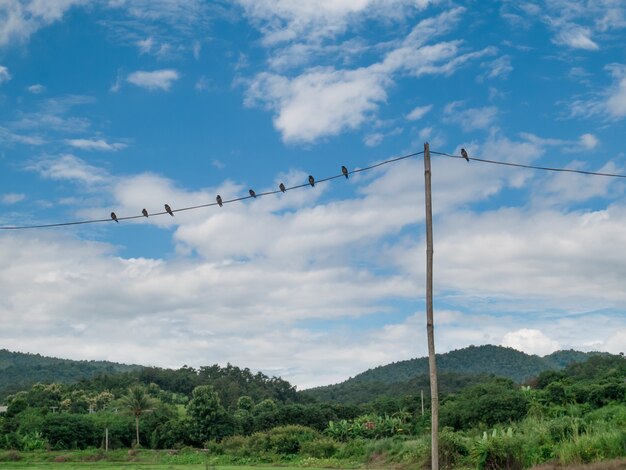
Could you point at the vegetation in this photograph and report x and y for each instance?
(218, 416)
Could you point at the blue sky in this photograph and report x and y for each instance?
(123, 104)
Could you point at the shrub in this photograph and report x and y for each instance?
(498, 452)
(453, 449)
(237, 446)
(565, 428)
(593, 447)
(287, 440)
(322, 448)
(64, 431)
(10, 456)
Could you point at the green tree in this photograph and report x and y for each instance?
(208, 417)
(137, 402)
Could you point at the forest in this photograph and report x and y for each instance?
(572, 412)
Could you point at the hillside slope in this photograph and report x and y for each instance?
(20, 370)
(455, 369)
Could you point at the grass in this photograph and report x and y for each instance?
(142, 459)
(121, 465)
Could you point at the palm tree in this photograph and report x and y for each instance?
(137, 402)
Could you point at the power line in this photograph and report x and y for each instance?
(322, 180)
(533, 167)
(199, 206)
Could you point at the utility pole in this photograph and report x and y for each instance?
(434, 394)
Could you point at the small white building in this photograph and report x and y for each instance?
(3, 408)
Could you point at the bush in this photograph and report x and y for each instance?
(565, 428)
(287, 440)
(70, 431)
(593, 447)
(236, 446)
(10, 456)
(322, 448)
(453, 449)
(490, 403)
(498, 452)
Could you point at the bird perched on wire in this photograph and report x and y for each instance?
(144, 212)
(114, 217)
(464, 154)
(311, 180)
(219, 200)
(168, 209)
(281, 186)
(344, 170)
(252, 193)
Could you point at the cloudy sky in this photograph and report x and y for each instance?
(117, 105)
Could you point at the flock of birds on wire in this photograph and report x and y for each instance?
(220, 203)
(311, 181)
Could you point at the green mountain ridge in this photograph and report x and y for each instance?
(455, 369)
(19, 371)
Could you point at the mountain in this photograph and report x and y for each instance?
(455, 369)
(19, 371)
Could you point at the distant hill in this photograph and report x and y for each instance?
(456, 369)
(19, 371)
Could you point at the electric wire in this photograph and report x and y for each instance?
(322, 180)
(199, 206)
(533, 167)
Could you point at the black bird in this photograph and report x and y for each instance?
(168, 209)
(219, 200)
(464, 154)
(344, 170)
(252, 193)
(281, 186)
(114, 217)
(311, 180)
(144, 212)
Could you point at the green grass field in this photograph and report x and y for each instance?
(135, 465)
(143, 459)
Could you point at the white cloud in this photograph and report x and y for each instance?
(12, 198)
(608, 103)
(92, 144)
(285, 20)
(320, 102)
(36, 89)
(7, 135)
(589, 141)
(21, 18)
(584, 142)
(373, 140)
(470, 118)
(203, 84)
(5, 76)
(575, 37)
(616, 100)
(419, 112)
(530, 341)
(324, 101)
(145, 45)
(501, 67)
(155, 80)
(68, 167)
